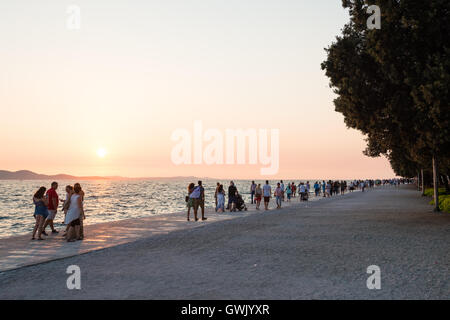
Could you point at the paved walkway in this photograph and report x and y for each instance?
(320, 250)
(20, 251)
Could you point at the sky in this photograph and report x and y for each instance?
(106, 99)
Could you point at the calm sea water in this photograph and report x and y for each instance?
(105, 200)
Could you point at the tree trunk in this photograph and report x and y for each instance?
(436, 184)
(423, 185)
(418, 180)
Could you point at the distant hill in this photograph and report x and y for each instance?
(30, 175)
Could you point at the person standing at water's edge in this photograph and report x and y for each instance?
(202, 200)
(66, 204)
(196, 197)
(252, 191)
(215, 194)
(82, 216)
(40, 212)
(232, 194)
(267, 193)
(190, 200)
(52, 206)
(74, 214)
(220, 193)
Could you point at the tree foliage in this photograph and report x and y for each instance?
(393, 84)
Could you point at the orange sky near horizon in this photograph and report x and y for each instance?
(133, 74)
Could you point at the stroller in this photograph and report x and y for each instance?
(240, 204)
(304, 196)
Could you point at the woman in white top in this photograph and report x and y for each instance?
(220, 199)
(66, 204)
(328, 189)
(74, 214)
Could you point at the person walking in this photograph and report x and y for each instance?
(362, 186)
(288, 192)
(343, 187)
(52, 207)
(324, 185)
(302, 191)
(195, 196)
(252, 191)
(267, 193)
(278, 195)
(258, 195)
(40, 212)
(316, 188)
(328, 189)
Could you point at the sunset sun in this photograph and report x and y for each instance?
(101, 152)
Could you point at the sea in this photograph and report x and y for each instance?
(107, 200)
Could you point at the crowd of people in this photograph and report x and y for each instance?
(281, 192)
(46, 204)
(47, 201)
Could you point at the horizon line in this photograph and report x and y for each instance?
(115, 177)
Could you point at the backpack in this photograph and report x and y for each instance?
(196, 193)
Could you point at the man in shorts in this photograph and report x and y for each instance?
(267, 193)
(52, 207)
(200, 201)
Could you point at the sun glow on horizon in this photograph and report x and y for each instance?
(102, 152)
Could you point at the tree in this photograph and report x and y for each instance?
(393, 84)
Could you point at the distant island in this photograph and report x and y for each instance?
(30, 175)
